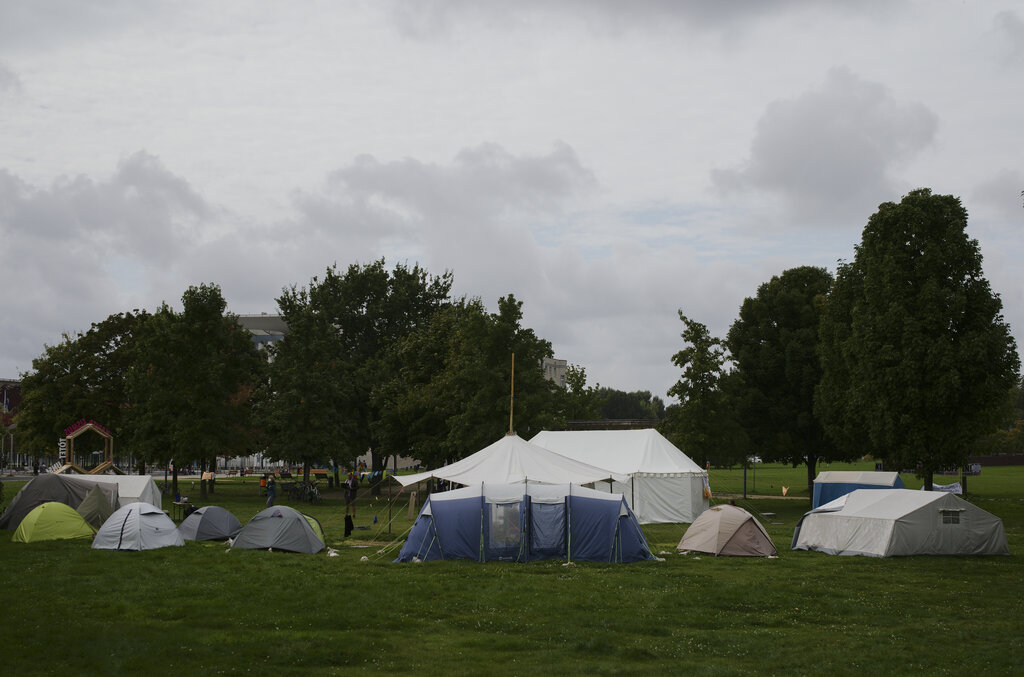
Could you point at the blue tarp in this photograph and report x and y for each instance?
(525, 522)
(829, 486)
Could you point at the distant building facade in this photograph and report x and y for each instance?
(265, 328)
(554, 370)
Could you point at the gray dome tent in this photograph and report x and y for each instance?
(70, 491)
(280, 528)
(137, 526)
(210, 523)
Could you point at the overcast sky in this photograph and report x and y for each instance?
(609, 163)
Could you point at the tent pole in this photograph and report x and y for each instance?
(512, 397)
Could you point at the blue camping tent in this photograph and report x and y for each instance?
(828, 486)
(526, 521)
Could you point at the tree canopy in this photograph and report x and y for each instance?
(917, 359)
(773, 344)
(82, 377)
(449, 394)
(325, 371)
(698, 423)
(190, 386)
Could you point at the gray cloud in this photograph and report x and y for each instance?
(1010, 35)
(829, 154)
(433, 18)
(42, 24)
(10, 83)
(82, 249)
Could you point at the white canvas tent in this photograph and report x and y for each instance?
(130, 488)
(660, 482)
(513, 459)
(896, 522)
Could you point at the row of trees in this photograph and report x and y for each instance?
(904, 355)
(375, 360)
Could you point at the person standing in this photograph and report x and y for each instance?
(271, 491)
(351, 487)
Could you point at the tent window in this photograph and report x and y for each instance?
(950, 516)
(505, 525)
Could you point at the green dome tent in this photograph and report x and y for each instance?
(51, 521)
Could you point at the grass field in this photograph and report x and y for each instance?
(204, 609)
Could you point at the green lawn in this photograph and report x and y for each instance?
(204, 610)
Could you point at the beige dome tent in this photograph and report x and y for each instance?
(727, 530)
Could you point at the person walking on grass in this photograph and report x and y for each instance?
(271, 491)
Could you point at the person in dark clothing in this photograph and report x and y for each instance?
(271, 491)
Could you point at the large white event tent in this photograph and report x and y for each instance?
(513, 459)
(660, 482)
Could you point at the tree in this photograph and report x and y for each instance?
(450, 395)
(301, 405)
(917, 359)
(697, 423)
(346, 324)
(639, 404)
(189, 390)
(82, 377)
(774, 344)
(581, 402)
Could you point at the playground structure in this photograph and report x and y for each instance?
(67, 450)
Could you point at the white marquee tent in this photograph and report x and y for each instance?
(513, 459)
(894, 522)
(660, 482)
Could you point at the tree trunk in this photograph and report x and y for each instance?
(213, 473)
(812, 468)
(202, 479)
(376, 465)
(305, 471)
(928, 485)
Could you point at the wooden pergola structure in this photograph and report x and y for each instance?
(72, 432)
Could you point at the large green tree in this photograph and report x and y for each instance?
(773, 344)
(301, 405)
(349, 320)
(451, 391)
(82, 377)
(702, 424)
(917, 359)
(190, 387)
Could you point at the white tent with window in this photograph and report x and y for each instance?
(513, 459)
(895, 522)
(660, 482)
